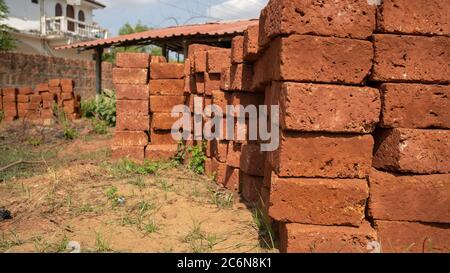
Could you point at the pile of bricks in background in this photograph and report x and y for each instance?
(147, 88)
(37, 104)
(410, 187)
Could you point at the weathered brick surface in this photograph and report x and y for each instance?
(212, 83)
(252, 159)
(234, 154)
(422, 198)
(27, 90)
(130, 138)
(42, 87)
(411, 58)
(322, 59)
(200, 83)
(413, 237)
(160, 152)
(220, 150)
(132, 60)
(415, 106)
(130, 152)
(163, 121)
(158, 59)
(241, 76)
(126, 122)
(164, 104)
(346, 19)
(237, 50)
(414, 17)
(413, 151)
(328, 108)
(220, 99)
(326, 156)
(251, 39)
(251, 187)
(225, 79)
(132, 107)
(166, 71)
(218, 59)
(167, 87)
(200, 61)
(318, 201)
(132, 92)
(231, 179)
(299, 238)
(162, 138)
(129, 76)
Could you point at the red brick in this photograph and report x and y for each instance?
(23, 98)
(237, 50)
(403, 237)
(252, 159)
(323, 156)
(67, 96)
(1, 101)
(47, 104)
(299, 238)
(35, 98)
(220, 150)
(415, 106)
(158, 59)
(200, 61)
(67, 82)
(130, 76)
(217, 60)
(42, 87)
(225, 79)
(46, 114)
(163, 121)
(212, 83)
(345, 19)
(414, 17)
(55, 89)
(48, 97)
(411, 59)
(251, 187)
(219, 170)
(54, 82)
(241, 76)
(208, 167)
(67, 88)
(166, 87)
(162, 138)
(130, 138)
(422, 198)
(132, 92)
(246, 99)
(322, 59)
(130, 152)
(132, 60)
(328, 108)
(132, 107)
(164, 104)
(9, 91)
(251, 38)
(132, 123)
(166, 71)
(160, 152)
(318, 201)
(25, 90)
(10, 98)
(200, 83)
(234, 154)
(413, 151)
(221, 99)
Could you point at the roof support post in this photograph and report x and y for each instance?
(98, 70)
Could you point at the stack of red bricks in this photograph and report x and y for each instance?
(315, 71)
(37, 104)
(410, 187)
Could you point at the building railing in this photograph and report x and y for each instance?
(65, 26)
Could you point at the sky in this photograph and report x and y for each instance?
(164, 13)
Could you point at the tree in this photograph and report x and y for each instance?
(130, 29)
(7, 42)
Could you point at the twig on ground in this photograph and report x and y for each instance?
(19, 162)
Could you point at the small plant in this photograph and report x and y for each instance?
(199, 240)
(221, 198)
(88, 108)
(150, 227)
(197, 159)
(34, 141)
(145, 206)
(106, 108)
(179, 158)
(113, 195)
(101, 245)
(138, 182)
(126, 167)
(266, 233)
(99, 127)
(70, 133)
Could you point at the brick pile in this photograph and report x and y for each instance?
(410, 182)
(37, 104)
(315, 71)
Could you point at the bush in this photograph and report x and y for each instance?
(197, 159)
(106, 108)
(70, 133)
(88, 108)
(99, 126)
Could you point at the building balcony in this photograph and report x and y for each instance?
(67, 27)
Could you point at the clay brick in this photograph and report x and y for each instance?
(251, 38)
(413, 237)
(160, 152)
(322, 59)
(219, 170)
(46, 114)
(46, 104)
(252, 159)
(414, 17)
(23, 98)
(132, 107)
(225, 79)
(299, 238)
(167, 87)
(251, 187)
(221, 99)
(131, 152)
(345, 19)
(48, 97)
(67, 82)
(415, 106)
(230, 179)
(42, 87)
(132, 60)
(220, 150)
(162, 138)
(318, 201)
(130, 138)
(158, 59)
(200, 83)
(212, 83)
(35, 98)
(241, 76)
(422, 198)
(413, 151)
(246, 99)
(10, 98)
(25, 90)
(217, 60)
(208, 167)
(54, 89)
(411, 59)
(132, 92)
(67, 96)
(163, 121)
(323, 156)
(166, 71)
(237, 50)
(130, 76)
(234, 154)
(200, 61)
(132, 123)
(66, 88)
(328, 108)
(164, 104)
(1, 101)
(54, 82)
(9, 91)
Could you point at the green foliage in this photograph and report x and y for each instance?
(111, 193)
(179, 158)
(99, 126)
(7, 42)
(106, 108)
(70, 133)
(197, 159)
(126, 167)
(88, 108)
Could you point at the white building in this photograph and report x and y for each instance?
(45, 24)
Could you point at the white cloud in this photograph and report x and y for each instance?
(237, 9)
(111, 3)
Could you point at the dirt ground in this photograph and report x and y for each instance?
(70, 190)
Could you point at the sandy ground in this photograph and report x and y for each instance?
(72, 191)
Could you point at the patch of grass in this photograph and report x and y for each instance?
(126, 167)
(163, 184)
(88, 108)
(264, 225)
(41, 245)
(197, 159)
(138, 182)
(145, 206)
(84, 209)
(101, 245)
(150, 227)
(113, 195)
(8, 243)
(221, 198)
(33, 141)
(198, 240)
(99, 127)
(70, 133)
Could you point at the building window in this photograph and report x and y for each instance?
(35, 1)
(58, 10)
(81, 18)
(70, 12)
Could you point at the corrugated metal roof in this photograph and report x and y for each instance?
(211, 29)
